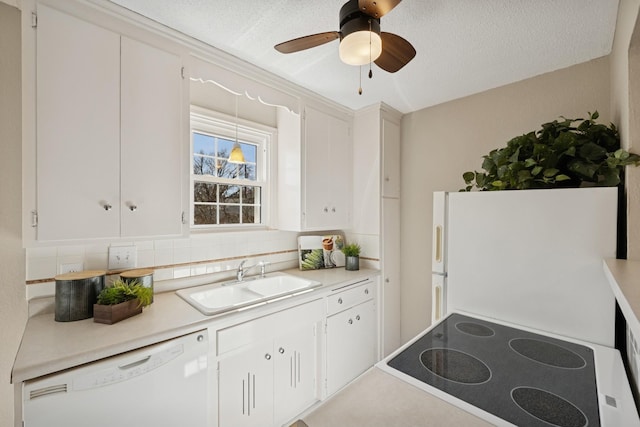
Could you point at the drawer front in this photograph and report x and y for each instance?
(349, 297)
(268, 327)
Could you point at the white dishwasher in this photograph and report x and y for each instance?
(161, 385)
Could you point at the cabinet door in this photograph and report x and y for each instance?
(295, 372)
(151, 155)
(351, 344)
(245, 388)
(327, 171)
(78, 116)
(391, 337)
(390, 159)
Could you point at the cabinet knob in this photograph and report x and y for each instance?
(366, 291)
(200, 338)
(339, 300)
(386, 280)
(267, 356)
(326, 210)
(133, 208)
(281, 350)
(351, 321)
(386, 178)
(358, 317)
(107, 207)
(333, 210)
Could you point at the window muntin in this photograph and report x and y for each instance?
(225, 194)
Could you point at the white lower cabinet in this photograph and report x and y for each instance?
(246, 388)
(271, 370)
(351, 336)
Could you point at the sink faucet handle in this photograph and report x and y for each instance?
(240, 271)
(263, 267)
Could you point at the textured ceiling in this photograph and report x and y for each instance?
(463, 46)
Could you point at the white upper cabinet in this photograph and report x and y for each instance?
(109, 137)
(78, 132)
(151, 145)
(390, 158)
(314, 171)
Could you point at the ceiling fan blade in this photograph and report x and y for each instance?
(377, 8)
(307, 42)
(396, 52)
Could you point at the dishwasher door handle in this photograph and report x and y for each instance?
(134, 364)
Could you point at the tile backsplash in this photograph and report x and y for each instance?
(215, 254)
(171, 259)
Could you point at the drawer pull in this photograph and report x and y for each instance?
(358, 317)
(339, 300)
(107, 207)
(366, 291)
(351, 321)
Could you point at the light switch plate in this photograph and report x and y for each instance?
(122, 257)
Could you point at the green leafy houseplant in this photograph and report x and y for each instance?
(121, 300)
(560, 154)
(352, 249)
(352, 255)
(121, 291)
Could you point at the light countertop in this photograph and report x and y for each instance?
(48, 346)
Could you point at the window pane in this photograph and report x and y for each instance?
(251, 214)
(250, 152)
(229, 194)
(203, 165)
(250, 195)
(247, 171)
(204, 214)
(227, 170)
(204, 192)
(229, 214)
(203, 144)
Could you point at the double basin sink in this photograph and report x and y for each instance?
(217, 298)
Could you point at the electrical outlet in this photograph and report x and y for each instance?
(122, 257)
(71, 267)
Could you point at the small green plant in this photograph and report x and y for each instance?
(352, 249)
(120, 291)
(558, 155)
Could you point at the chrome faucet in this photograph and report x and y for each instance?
(242, 270)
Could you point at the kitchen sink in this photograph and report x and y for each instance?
(217, 298)
(278, 285)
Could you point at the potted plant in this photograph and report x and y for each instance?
(352, 256)
(560, 154)
(121, 300)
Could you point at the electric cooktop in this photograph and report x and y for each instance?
(519, 376)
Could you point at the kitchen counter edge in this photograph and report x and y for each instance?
(624, 279)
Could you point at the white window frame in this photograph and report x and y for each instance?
(214, 123)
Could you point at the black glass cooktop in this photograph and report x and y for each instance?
(527, 379)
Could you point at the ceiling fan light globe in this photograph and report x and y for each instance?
(360, 48)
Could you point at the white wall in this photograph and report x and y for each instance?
(13, 306)
(441, 142)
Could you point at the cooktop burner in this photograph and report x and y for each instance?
(527, 379)
(455, 366)
(547, 353)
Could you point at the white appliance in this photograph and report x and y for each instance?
(161, 385)
(523, 315)
(529, 257)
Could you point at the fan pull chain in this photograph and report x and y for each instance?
(370, 72)
(360, 75)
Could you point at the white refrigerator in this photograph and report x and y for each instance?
(529, 257)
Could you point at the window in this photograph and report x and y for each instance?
(225, 194)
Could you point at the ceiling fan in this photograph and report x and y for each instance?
(361, 41)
